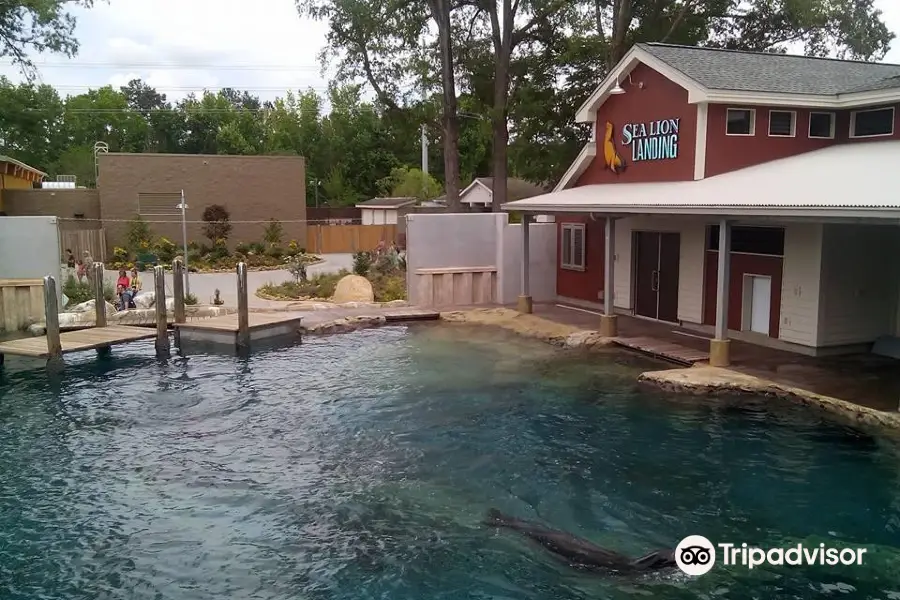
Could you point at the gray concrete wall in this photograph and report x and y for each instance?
(29, 249)
(541, 262)
(469, 240)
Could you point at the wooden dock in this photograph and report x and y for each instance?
(225, 329)
(77, 341)
(664, 349)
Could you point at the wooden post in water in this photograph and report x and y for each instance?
(243, 336)
(162, 325)
(178, 289)
(51, 314)
(99, 300)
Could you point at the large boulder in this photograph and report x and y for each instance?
(145, 299)
(353, 288)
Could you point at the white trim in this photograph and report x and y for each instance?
(833, 125)
(573, 227)
(475, 183)
(385, 206)
(700, 142)
(578, 166)
(793, 114)
(742, 211)
(752, 112)
(835, 101)
(587, 112)
(853, 115)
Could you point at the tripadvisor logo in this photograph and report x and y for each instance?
(696, 555)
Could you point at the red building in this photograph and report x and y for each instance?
(792, 163)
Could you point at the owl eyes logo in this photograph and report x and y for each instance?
(695, 555)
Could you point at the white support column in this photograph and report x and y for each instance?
(525, 304)
(719, 355)
(608, 325)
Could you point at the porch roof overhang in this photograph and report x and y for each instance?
(856, 181)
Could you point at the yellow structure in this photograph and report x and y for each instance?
(15, 175)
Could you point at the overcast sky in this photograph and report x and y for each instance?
(180, 46)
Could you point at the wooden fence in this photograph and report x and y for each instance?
(79, 240)
(21, 303)
(329, 239)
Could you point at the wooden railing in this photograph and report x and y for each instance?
(453, 286)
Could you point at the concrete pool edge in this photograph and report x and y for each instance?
(699, 379)
(704, 379)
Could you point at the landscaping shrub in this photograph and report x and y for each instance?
(218, 223)
(138, 235)
(190, 299)
(319, 286)
(82, 292)
(362, 262)
(274, 232)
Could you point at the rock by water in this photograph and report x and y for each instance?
(353, 288)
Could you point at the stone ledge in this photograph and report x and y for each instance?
(313, 305)
(703, 379)
(344, 325)
(558, 334)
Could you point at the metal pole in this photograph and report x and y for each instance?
(178, 290)
(243, 339)
(99, 300)
(724, 273)
(162, 325)
(51, 314)
(424, 151)
(316, 182)
(187, 283)
(526, 255)
(609, 270)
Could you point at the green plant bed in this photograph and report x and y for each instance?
(82, 292)
(386, 287)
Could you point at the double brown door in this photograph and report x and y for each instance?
(656, 274)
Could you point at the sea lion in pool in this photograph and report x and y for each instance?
(579, 552)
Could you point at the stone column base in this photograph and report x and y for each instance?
(525, 305)
(719, 353)
(609, 326)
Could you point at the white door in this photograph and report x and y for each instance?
(760, 303)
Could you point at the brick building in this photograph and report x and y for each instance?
(252, 188)
(789, 162)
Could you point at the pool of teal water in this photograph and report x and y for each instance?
(361, 466)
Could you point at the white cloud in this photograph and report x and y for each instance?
(179, 46)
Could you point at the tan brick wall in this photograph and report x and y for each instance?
(252, 188)
(62, 203)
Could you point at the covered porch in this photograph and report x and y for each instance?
(840, 289)
(865, 379)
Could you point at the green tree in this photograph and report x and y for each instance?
(404, 182)
(39, 26)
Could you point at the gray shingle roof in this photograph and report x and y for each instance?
(774, 73)
(388, 202)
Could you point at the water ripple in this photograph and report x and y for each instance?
(361, 466)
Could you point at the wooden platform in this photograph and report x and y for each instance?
(411, 314)
(664, 349)
(78, 341)
(224, 329)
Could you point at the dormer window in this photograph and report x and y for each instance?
(740, 121)
(782, 123)
(821, 125)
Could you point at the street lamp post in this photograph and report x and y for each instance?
(183, 206)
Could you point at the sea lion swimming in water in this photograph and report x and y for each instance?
(579, 552)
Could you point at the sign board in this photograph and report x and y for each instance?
(653, 140)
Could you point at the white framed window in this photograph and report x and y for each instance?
(740, 121)
(572, 251)
(821, 125)
(875, 122)
(782, 123)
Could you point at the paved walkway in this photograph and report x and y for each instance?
(204, 285)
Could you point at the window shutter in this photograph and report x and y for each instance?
(566, 245)
(578, 247)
